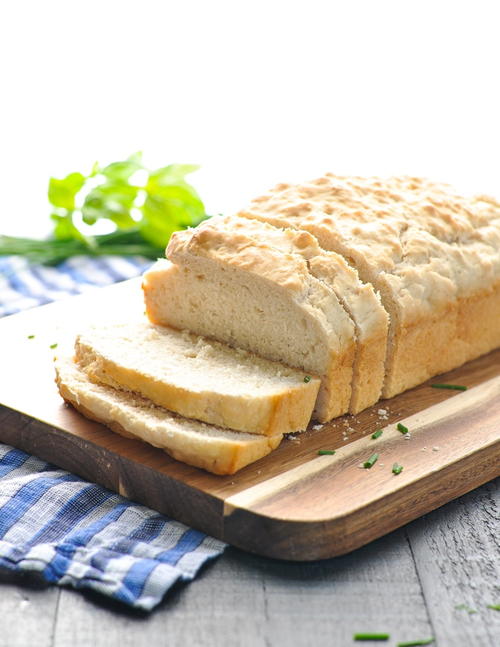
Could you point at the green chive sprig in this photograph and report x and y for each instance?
(397, 469)
(53, 346)
(377, 434)
(307, 379)
(326, 452)
(371, 636)
(371, 461)
(402, 428)
(416, 643)
(31, 336)
(452, 387)
(495, 607)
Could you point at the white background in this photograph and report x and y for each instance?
(256, 92)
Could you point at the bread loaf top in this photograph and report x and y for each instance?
(427, 244)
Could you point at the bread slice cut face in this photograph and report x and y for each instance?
(227, 285)
(198, 378)
(217, 450)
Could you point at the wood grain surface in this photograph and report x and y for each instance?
(292, 504)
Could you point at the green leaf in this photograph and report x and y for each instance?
(123, 171)
(113, 201)
(167, 209)
(172, 174)
(65, 229)
(62, 192)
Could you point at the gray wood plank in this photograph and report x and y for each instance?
(27, 614)
(457, 551)
(244, 600)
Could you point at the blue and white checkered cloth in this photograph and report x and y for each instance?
(67, 530)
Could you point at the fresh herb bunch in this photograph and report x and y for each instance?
(144, 207)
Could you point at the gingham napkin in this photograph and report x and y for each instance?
(69, 531)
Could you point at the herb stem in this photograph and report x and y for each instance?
(453, 387)
(371, 636)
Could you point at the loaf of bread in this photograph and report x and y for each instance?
(217, 450)
(433, 256)
(371, 285)
(198, 378)
(228, 285)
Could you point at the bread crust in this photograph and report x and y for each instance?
(107, 357)
(432, 254)
(221, 453)
(467, 329)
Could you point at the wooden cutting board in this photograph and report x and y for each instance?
(292, 504)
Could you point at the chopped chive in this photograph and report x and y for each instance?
(464, 607)
(397, 469)
(371, 636)
(31, 336)
(416, 643)
(453, 387)
(377, 434)
(402, 428)
(326, 452)
(371, 461)
(53, 346)
(495, 607)
(307, 379)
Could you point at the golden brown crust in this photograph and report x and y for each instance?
(225, 457)
(121, 357)
(463, 331)
(426, 249)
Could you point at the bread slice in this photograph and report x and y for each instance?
(199, 378)
(228, 286)
(433, 256)
(220, 451)
(358, 299)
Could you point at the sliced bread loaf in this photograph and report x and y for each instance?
(247, 293)
(433, 256)
(199, 378)
(214, 449)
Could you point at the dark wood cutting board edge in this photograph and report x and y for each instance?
(292, 504)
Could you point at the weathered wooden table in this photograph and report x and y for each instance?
(408, 584)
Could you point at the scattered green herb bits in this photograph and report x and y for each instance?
(452, 387)
(416, 643)
(377, 434)
(307, 379)
(371, 461)
(402, 428)
(326, 452)
(371, 636)
(397, 469)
